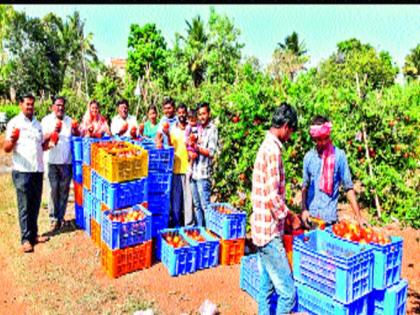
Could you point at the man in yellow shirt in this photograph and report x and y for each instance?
(181, 197)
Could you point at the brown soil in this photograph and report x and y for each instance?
(65, 276)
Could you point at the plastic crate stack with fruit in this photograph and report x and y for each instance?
(332, 276)
(228, 225)
(77, 162)
(159, 180)
(389, 295)
(187, 250)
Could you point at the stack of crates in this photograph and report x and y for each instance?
(389, 295)
(228, 224)
(120, 225)
(77, 161)
(126, 244)
(249, 279)
(187, 250)
(331, 276)
(159, 182)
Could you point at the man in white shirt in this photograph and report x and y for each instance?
(124, 125)
(24, 138)
(59, 160)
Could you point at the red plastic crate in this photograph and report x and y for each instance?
(78, 193)
(122, 261)
(231, 251)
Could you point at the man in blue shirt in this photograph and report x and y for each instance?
(169, 117)
(324, 168)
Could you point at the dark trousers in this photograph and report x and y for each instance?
(59, 176)
(29, 193)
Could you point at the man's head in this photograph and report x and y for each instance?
(203, 110)
(169, 107)
(59, 106)
(122, 106)
(181, 112)
(26, 103)
(284, 121)
(320, 131)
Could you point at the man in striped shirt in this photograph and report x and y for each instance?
(269, 213)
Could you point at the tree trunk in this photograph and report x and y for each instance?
(377, 203)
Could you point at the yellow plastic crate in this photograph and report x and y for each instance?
(120, 169)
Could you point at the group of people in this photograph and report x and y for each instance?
(46, 145)
(325, 167)
(194, 138)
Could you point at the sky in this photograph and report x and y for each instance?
(394, 28)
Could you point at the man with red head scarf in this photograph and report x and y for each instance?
(325, 167)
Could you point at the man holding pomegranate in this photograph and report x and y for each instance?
(24, 138)
(166, 122)
(181, 198)
(325, 167)
(269, 214)
(124, 125)
(205, 147)
(58, 127)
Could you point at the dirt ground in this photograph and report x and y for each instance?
(64, 276)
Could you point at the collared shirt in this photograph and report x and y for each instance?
(180, 150)
(172, 122)
(150, 130)
(318, 202)
(207, 138)
(118, 122)
(61, 153)
(27, 152)
(268, 192)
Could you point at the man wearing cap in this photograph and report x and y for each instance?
(325, 167)
(124, 125)
(24, 137)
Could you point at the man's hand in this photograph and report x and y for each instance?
(15, 135)
(123, 129)
(362, 221)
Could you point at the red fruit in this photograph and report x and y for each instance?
(406, 155)
(133, 132)
(54, 137)
(141, 129)
(242, 177)
(391, 123)
(165, 126)
(235, 119)
(15, 133)
(359, 148)
(74, 124)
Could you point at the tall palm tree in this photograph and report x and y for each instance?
(195, 49)
(292, 44)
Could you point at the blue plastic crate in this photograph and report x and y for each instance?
(96, 210)
(87, 201)
(314, 302)
(159, 222)
(390, 301)
(341, 270)
(119, 195)
(160, 160)
(86, 143)
(208, 254)
(227, 226)
(77, 149)
(178, 261)
(79, 216)
(124, 234)
(249, 279)
(159, 182)
(159, 203)
(387, 261)
(78, 172)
